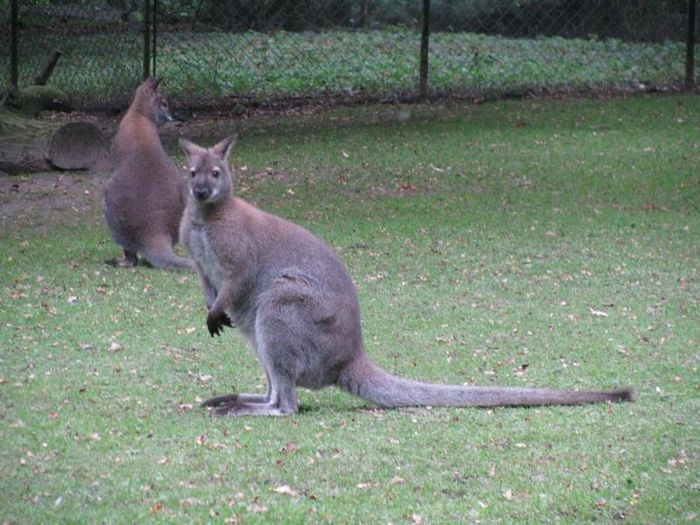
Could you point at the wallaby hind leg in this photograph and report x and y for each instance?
(281, 400)
(129, 261)
(219, 401)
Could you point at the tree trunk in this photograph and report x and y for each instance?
(28, 145)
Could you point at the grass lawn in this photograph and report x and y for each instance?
(542, 243)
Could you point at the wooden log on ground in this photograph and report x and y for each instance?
(30, 145)
(49, 65)
(32, 100)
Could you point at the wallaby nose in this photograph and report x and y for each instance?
(200, 192)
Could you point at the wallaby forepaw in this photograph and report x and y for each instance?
(216, 323)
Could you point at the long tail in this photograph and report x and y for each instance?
(160, 254)
(365, 379)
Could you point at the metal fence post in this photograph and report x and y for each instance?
(424, 46)
(146, 39)
(155, 34)
(14, 75)
(690, 47)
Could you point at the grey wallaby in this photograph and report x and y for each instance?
(293, 300)
(144, 198)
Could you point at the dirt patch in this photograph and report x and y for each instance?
(44, 199)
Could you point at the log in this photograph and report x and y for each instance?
(49, 65)
(32, 100)
(31, 145)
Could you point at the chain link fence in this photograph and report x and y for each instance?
(227, 52)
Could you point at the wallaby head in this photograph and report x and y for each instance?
(150, 102)
(210, 178)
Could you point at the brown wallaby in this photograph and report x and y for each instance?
(144, 198)
(294, 301)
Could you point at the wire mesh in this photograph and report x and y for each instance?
(218, 52)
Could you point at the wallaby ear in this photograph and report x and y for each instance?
(150, 83)
(190, 148)
(223, 148)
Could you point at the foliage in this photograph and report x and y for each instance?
(520, 243)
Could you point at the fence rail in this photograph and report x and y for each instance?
(215, 53)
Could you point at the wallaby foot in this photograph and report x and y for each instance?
(216, 402)
(281, 399)
(129, 261)
(241, 408)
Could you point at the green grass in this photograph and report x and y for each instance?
(209, 68)
(481, 239)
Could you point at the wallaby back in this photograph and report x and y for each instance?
(292, 298)
(144, 198)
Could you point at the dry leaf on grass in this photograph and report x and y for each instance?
(597, 313)
(286, 490)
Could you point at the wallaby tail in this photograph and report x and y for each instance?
(161, 255)
(365, 379)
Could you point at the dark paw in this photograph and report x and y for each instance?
(216, 323)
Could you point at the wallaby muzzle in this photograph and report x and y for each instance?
(201, 192)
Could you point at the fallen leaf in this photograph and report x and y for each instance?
(289, 447)
(256, 508)
(597, 313)
(115, 347)
(286, 490)
(521, 371)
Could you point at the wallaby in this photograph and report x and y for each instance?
(292, 298)
(144, 198)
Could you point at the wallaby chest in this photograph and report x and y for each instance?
(202, 249)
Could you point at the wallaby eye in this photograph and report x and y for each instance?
(215, 173)
(193, 172)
